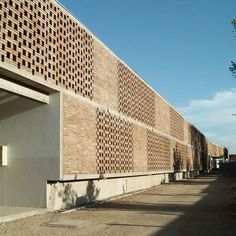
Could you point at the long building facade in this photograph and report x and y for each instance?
(77, 122)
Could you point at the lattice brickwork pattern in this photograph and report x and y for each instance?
(135, 98)
(39, 37)
(213, 149)
(182, 152)
(158, 148)
(114, 144)
(176, 124)
(189, 133)
(196, 159)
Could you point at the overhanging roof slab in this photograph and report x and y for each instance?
(23, 91)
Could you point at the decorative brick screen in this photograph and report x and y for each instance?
(189, 131)
(158, 148)
(176, 124)
(214, 149)
(194, 136)
(196, 159)
(39, 37)
(183, 155)
(114, 144)
(135, 98)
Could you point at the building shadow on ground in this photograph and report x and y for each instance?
(214, 213)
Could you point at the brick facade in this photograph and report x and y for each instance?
(79, 137)
(105, 72)
(140, 149)
(162, 115)
(113, 122)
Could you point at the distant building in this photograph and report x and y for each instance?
(232, 157)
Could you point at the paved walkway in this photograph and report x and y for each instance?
(12, 213)
(202, 206)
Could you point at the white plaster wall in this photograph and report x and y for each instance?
(33, 140)
(1, 186)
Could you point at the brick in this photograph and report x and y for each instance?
(162, 115)
(79, 137)
(114, 144)
(176, 124)
(41, 38)
(105, 71)
(159, 155)
(140, 149)
(49, 39)
(135, 98)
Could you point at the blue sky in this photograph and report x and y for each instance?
(182, 48)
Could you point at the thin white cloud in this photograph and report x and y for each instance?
(214, 117)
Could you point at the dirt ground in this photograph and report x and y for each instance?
(202, 206)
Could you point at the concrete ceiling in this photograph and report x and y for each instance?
(6, 97)
(11, 104)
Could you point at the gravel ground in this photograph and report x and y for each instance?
(202, 206)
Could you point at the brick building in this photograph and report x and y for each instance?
(77, 124)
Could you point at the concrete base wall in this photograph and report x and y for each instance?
(70, 194)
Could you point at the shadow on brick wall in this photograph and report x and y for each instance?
(177, 159)
(200, 156)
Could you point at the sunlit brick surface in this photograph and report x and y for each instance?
(135, 98)
(114, 144)
(176, 124)
(38, 37)
(79, 137)
(158, 148)
(162, 115)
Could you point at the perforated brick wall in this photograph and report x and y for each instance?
(114, 144)
(186, 131)
(194, 137)
(190, 159)
(196, 159)
(189, 133)
(39, 37)
(182, 151)
(215, 150)
(201, 148)
(158, 149)
(176, 124)
(162, 115)
(135, 98)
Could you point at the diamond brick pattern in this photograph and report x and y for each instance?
(40, 38)
(135, 98)
(158, 148)
(183, 155)
(114, 144)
